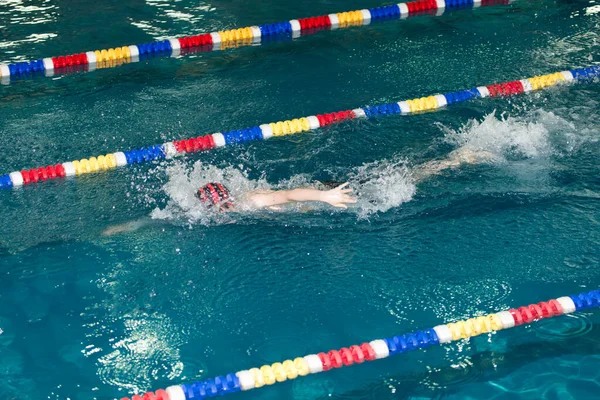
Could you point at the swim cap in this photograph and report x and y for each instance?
(215, 194)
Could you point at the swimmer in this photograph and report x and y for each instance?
(216, 196)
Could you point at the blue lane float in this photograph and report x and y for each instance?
(267, 375)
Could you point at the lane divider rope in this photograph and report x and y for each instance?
(222, 40)
(281, 128)
(370, 351)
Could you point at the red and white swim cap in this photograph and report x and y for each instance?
(215, 194)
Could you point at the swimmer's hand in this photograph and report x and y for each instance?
(338, 197)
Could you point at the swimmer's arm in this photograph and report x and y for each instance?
(463, 155)
(431, 168)
(337, 197)
(130, 226)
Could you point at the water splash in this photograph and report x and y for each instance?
(507, 138)
(183, 183)
(382, 185)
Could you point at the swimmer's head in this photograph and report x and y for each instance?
(215, 195)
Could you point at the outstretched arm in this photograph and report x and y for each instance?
(337, 197)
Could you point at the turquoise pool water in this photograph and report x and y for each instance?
(194, 295)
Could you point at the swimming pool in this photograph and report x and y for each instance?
(196, 295)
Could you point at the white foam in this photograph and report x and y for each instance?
(382, 185)
(183, 183)
(504, 136)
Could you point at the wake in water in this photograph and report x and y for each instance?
(380, 185)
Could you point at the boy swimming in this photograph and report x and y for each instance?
(216, 196)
